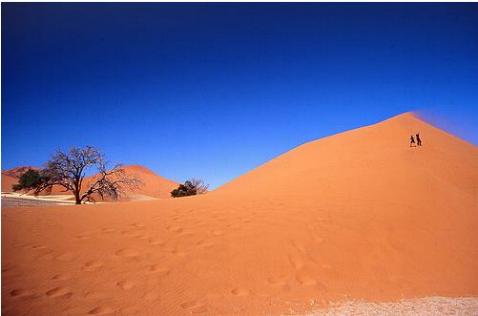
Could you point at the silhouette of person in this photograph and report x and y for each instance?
(412, 141)
(419, 141)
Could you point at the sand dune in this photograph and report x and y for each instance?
(8, 182)
(154, 185)
(355, 216)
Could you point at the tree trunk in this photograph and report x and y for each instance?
(77, 197)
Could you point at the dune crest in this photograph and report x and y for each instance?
(372, 156)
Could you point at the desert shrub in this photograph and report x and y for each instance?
(29, 180)
(190, 187)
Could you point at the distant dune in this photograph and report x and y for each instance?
(355, 217)
(153, 185)
(8, 182)
(10, 177)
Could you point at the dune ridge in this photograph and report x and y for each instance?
(358, 216)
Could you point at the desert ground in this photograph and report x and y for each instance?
(355, 223)
(13, 199)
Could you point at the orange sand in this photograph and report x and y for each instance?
(153, 185)
(358, 215)
(8, 182)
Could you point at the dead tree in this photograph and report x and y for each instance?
(69, 169)
(199, 185)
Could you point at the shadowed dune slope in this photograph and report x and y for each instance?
(358, 215)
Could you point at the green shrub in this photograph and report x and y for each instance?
(29, 180)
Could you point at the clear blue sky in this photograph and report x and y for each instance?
(213, 90)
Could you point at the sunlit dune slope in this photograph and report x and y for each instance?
(153, 185)
(8, 182)
(370, 163)
(358, 215)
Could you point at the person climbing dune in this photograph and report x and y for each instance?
(412, 141)
(419, 141)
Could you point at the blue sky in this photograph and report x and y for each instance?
(213, 90)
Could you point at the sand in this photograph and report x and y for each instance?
(355, 217)
(153, 185)
(430, 306)
(7, 182)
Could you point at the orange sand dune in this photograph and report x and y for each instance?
(358, 215)
(8, 182)
(153, 185)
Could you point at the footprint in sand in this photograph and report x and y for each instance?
(240, 292)
(6, 270)
(326, 266)
(204, 244)
(68, 256)
(61, 277)
(134, 234)
(127, 252)
(125, 285)
(34, 246)
(92, 265)
(277, 281)
(305, 280)
(157, 268)
(20, 293)
(178, 253)
(151, 296)
(101, 310)
(44, 254)
(195, 307)
(189, 304)
(155, 242)
(299, 247)
(85, 235)
(175, 229)
(59, 292)
(296, 262)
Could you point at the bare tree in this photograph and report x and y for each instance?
(199, 185)
(68, 170)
